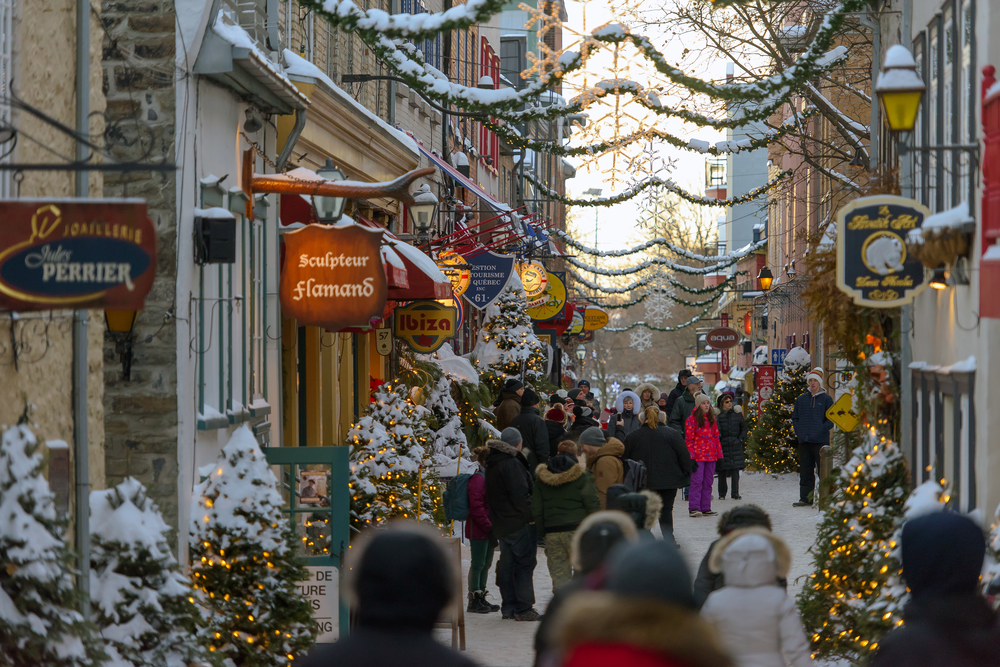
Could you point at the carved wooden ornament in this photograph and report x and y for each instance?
(333, 276)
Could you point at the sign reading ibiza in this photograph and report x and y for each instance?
(332, 276)
(75, 254)
(873, 267)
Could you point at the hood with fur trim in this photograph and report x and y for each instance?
(600, 617)
(620, 402)
(502, 446)
(760, 560)
(549, 477)
(647, 386)
(620, 519)
(654, 507)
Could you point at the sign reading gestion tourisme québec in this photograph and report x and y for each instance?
(332, 276)
(75, 253)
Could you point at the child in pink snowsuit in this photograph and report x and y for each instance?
(701, 432)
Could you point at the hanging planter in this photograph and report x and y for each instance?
(944, 237)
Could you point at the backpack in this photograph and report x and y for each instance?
(456, 498)
(635, 475)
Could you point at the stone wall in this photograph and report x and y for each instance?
(139, 82)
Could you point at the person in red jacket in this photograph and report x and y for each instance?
(701, 432)
(479, 532)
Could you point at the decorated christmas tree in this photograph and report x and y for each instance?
(391, 464)
(450, 448)
(243, 561)
(773, 445)
(991, 572)
(141, 603)
(853, 553)
(507, 344)
(39, 624)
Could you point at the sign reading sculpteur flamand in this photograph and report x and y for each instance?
(873, 267)
(75, 253)
(332, 276)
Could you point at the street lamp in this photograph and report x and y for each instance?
(422, 210)
(329, 209)
(764, 277)
(120, 324)
(581, 352)
(900, 89)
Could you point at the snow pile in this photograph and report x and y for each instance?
(453, 366)
(760, 356)
(797, 357)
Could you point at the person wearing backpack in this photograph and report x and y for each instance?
(603, 460)
(478, 530)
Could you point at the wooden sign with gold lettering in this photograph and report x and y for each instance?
(332, 276)
(873, 267)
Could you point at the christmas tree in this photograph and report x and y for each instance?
(507, 344)
(39, 625)
(773, 445)
(243, 561)
(391, 466)
(141, 603)
(991, 572)
(450, 448)
(853, 553)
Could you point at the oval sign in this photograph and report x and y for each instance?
(722, 338)
(425, 325)
(576, 326)
(455, 267)
(555, 298)
(534, 278)
(594, 318)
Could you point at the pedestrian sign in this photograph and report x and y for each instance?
(842, 413)
(778, 356)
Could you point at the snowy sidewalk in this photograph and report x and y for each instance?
(493, 642)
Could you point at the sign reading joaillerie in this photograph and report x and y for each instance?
(332, 276)
(872, 263)
(75, 253)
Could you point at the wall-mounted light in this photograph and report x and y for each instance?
(329, 209)
(120, 324)
(939, 279)
(581, 352)
(765, 278)
(422, 210)
(900, 89)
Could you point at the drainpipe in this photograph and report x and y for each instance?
(286, 152)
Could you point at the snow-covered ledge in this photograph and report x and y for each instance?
(957, 219)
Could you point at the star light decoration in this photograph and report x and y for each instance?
(641, 339)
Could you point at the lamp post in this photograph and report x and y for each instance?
(900, 90)
(422, 211)
(764, 277)
(329, 209)
(120, 324)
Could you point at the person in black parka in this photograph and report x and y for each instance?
(534, 434)
(947, 623)
(733, 435)
(676, 392)
(402, 582)
(555, 424)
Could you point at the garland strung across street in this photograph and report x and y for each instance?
(664, 294)
(658, 241)
(631, 287)
(650, 263)
(666, 184)
(683, 325)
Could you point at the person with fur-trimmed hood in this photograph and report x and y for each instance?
(644, 617)
(643, 506)
(564, 495)
(757, 620)
(648, 394)
(627, 414)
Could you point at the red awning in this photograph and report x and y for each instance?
(424, 278)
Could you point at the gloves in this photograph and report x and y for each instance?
(694, 466)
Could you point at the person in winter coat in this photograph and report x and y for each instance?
(667, 460)
(626, 414)
(508, 492)
(592, 543)
(661, 402)
(758, 622)
(812, 429)
(647, 395)
(701, 433)
(643, 506)
(644, 617)
(732, 436)
(582, 420)
(478, 530)
(679, 389)
(508, 405)
(401, 580)
(947, 623)
(741, 516)
(603, 461)
(564, 495)
(684, 405)
(555, 425)
(534, 434)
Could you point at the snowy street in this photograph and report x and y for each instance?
(494, 642)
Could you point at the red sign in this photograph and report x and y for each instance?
(764, 380)
(722, 338)
(560, 324)
(332, 276)
(75, 253)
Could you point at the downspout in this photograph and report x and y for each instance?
(286, 152)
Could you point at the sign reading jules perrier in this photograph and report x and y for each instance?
(873, 267)
(425, 325)
(332, 276)
(75, 253)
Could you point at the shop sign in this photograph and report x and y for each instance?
(842, 413)
(332, 276)
(576, 326)
(488, 275)
(873, 266)
(322, 589)
(765, 379)
(383, 341)
(554, 296)
(778, 355)
(425, 325)
(722, 338)
(454, 266)
(534, 277)
(562, 322)
(75, 253)
(594, 318)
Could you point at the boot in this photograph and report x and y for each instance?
(486, 603)
(476, 604)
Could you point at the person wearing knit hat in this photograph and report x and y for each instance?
(555, 424)
(533, 431)
(701, 433)
(511, 436)
(508, 404)
(812, 430)
(603, 460)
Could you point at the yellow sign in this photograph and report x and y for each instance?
(577, 325)
(454, 266)
(842, 413)
(534, 277)
(555, 299)
(594, 318)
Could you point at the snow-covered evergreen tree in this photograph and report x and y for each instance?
(507, 343)
(991, 571)
(391, 465)
(450, 448)
(243, 561)
(773, 445)
(39, 623)
(141, 603)
(853, 553)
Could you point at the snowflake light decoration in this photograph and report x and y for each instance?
(641, 339)
(658, 305)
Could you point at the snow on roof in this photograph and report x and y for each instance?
(965, 366)
(423, 262)
(710, 358)
(917, 365)
(214, 213)
(992, 253)
(953, 217)
(237, 36)
(898, 55)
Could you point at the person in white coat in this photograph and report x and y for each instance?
(756, 619)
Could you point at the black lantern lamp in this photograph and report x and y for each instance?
(765, 277)
(422, 211)
(581, 352)
(120, 324)
(329, 209)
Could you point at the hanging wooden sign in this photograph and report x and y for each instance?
(594, 318)
(425, 325)
(332, 276)
(534, 278)
(489, 273)
(553, 298)
(722, 338)
(576, 326)
(75, 254)
(454, 266)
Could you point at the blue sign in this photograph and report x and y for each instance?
(488, 275)
(778, 356)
